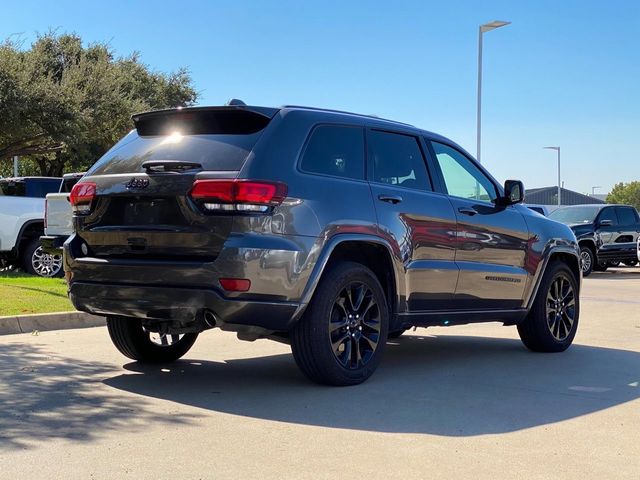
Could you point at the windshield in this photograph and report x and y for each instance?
(575, 214)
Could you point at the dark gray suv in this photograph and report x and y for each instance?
(328, 230)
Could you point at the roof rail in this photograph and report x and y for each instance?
(330, 110)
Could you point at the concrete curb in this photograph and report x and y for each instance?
(48, 321)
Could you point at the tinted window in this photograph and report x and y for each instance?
(608, 214)
(213, 151)
(335, 150)
(461, 177)
(68, 183)
(626, 215)
(12, 188)
(39, 187)
(397, 159)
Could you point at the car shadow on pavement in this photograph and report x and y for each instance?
(445, 385)
(46, 397)
(617, 274)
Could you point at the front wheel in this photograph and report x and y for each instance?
(138, 343)
(552, 323)
(341, 337)
(631, 263)
(587, 260)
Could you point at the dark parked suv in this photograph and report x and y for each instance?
(329, 230)
(607, 234)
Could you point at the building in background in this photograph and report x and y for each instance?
(549, 196)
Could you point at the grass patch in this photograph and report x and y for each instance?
(22, 294)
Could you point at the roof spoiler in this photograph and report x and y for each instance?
(230, 120)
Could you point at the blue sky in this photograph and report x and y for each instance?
(564, 73)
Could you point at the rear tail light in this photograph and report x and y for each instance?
(82, 196)
(238, 195)
(46, 207)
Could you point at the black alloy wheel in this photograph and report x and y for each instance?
(354, 329)
(561, 307)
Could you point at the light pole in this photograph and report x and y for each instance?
(483, 28)
(557, 149)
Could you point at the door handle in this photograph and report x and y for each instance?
(390, 198)
(468, 211)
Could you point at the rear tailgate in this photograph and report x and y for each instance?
(58, 215)
(142, 210)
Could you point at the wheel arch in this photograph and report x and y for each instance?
(566, 254)
(368, 250)
(31, 229)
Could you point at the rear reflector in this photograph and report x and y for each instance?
(235, 284)
(238, 195)
(81, 197)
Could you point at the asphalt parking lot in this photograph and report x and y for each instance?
(462, 402)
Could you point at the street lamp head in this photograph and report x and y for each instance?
(552, 148)
(492, 25)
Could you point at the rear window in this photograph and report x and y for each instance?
(29, 187)
(219, 140)
(11, 188)
(626, 215)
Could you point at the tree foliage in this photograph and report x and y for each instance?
(627, 193)
(63, 104)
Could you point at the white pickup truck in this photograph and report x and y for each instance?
(22, 222)
(58, 220)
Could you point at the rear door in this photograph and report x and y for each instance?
(628, 225)
(491, 241)
(419, 221)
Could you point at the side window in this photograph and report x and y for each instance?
(461, 177)
(626, 215)
(397, 159)
(608, 214)
(335, 150)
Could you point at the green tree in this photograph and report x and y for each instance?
(627, 193)
(63, 104)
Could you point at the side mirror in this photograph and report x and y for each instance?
(513, 192)
(605, 223)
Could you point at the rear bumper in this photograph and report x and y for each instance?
(175, 303)
(52, 244)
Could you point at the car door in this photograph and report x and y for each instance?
(627, 234)
(417, 221)
(492, 240)
(607, 229)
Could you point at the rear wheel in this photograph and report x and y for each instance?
(37, 262)
(587, 260)
(631, 263)
(340, 339)
(138, 343)
(552, 323)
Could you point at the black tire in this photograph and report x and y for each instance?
(631, 263)
(614, 263)
(326, 326)
(537, 330)
(587, 260)
(396, 334)
(133, 341)
(600, 267)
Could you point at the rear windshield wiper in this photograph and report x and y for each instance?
(169, 166)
